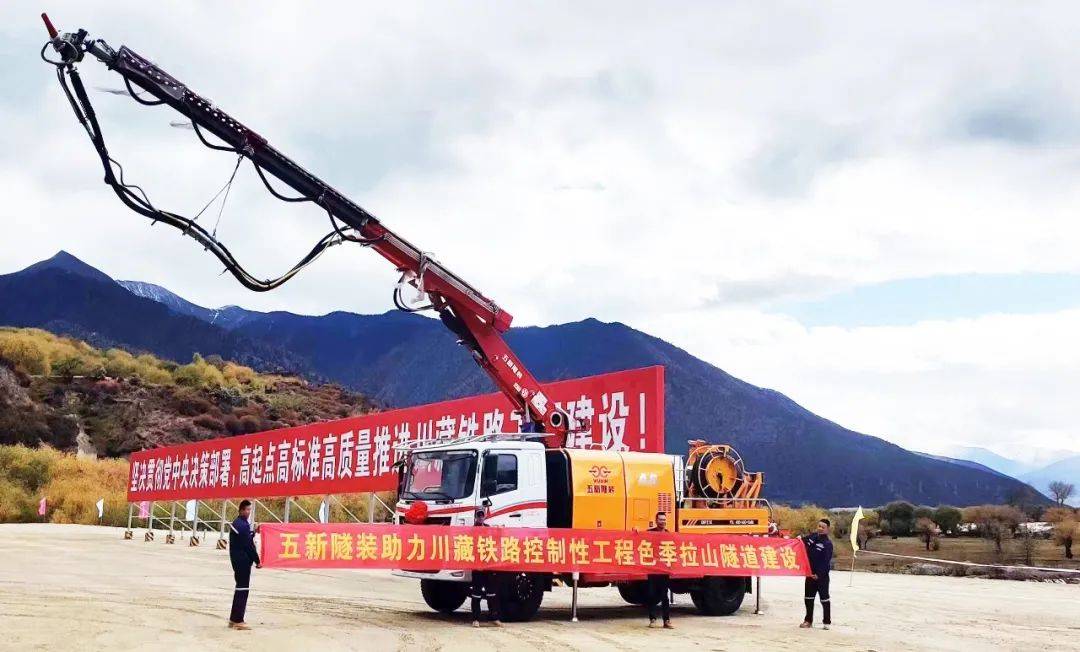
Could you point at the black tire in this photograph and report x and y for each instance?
(697, 599)
(444, 597)
(719, 596)
(520, 595)
(635, 592)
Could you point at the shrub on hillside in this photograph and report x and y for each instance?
(199, 373)
(236, 374)
(250, 423)
(77, 485)
(209, 423)
(190, 403)
(24, 352)
(120, 364)
(233, 425)
(28, 468)
(16, 504)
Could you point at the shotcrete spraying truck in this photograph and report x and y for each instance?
(519, 482)
(525, 480)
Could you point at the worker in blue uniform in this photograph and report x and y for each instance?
(819, 551)
(658, 586)
(485, 584)
(242, 554)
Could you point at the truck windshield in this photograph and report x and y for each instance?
(440, 475)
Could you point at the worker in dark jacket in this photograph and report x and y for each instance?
(659, 585)
(242, 554)
(819, 551)
(485, 585)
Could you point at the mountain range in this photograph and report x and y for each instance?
(1046, 467)
(400, 359)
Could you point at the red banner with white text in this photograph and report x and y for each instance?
(625, 411)
(548, 550)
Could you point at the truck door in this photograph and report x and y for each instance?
(513, 489)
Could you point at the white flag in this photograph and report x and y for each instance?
(101, 508)
(324, 511)
(189, 510)
(855, 529)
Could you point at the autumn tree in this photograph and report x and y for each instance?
(947, 518)
(1066, 527)
(897, 518)
(927, 530)
(1065, 534)
(995, 522)
(798, 520)
(1026, 499)
(1062, 491)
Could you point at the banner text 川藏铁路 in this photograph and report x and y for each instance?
(624, 410)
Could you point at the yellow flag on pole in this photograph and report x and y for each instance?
(855, 529)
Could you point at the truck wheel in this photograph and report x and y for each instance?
(635, 592)
(719, 596)
(444, 597)
(520, 595)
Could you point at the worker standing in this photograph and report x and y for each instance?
(819, 550)
(485, 585)
(242, 554)
(659, 585)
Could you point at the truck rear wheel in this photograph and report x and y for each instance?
(520, 595)
(635, 592)
(719, 596)
(444, 597)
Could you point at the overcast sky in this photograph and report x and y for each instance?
(873, 209)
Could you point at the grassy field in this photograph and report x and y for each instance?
(971, 549)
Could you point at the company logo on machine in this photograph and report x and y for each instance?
(647, 479)
(601, 482)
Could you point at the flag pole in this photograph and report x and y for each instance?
(854, 541)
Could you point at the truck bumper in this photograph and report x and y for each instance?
(444, 576)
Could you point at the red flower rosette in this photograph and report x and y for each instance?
(417, 513)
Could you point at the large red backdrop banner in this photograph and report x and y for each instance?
(555, 550)
(625, 411)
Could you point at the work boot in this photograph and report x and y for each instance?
(668, 625)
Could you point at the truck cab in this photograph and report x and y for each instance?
(503, 476)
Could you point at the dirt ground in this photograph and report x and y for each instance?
(68, 587)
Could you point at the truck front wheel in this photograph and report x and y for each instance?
(635, 592)
(444, 597)
(520, 595)
(719, 596)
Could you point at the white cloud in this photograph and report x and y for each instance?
(666, 169)
(1000, 381)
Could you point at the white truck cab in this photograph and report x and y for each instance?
(502, 474)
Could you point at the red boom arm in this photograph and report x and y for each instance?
(477, 320)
